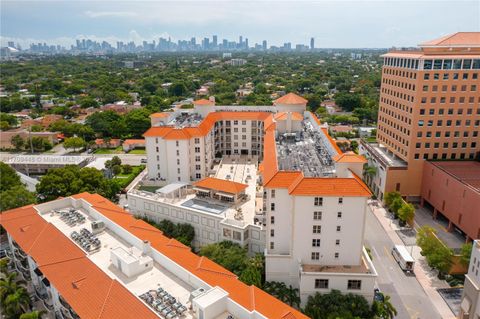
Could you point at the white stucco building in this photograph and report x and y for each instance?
(304, 204)
(470, 305)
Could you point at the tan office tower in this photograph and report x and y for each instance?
(429, 110)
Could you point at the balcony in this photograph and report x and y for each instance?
(382, 155)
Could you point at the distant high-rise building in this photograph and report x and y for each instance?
(11, 44)
(312, 43)
(206, 43)
(215, 43)
(246, 43)
(240, 41)
(264, 45)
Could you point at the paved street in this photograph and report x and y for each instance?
(407, 295)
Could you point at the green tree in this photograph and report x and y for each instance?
(465, 254)
(127, 169)
(138, 122)
(36, 314)
(8, 285)
(390, 197)
(116, 169)
(251, 276)
(107, 123)
(16, 302)
(441, 258)
(406, 212)
(40, 144)
(426, 239)
(14, 197)
(71, 180)
(384, 309)
(228, 254)
(9, 177)
(74, 142)
(337, 305)
(396, 205)
(348, 101)
(17, 142)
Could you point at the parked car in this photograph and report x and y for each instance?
(143, 161)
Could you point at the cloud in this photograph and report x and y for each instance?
(105, 14)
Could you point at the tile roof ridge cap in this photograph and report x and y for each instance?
(200, 268)
(252, 296)
(296, 182)
(36, 238)
(154, 230)
(359, 181)
(119, 210)
(105, 300)
(62, 261)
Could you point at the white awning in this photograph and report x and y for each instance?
(170, 188)
(202, 190)
(225, 195)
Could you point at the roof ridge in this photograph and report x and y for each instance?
(36, 238)
(296, 182)
(175, 243)
(106, 298)
(62, 261)
(119, 210)
(199, 267)
(252, 296)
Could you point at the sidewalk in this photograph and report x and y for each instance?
(427, 278)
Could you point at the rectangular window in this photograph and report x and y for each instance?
(272, 232)
(318, 201)
(272, 193)
(272, 220)
(354, 285)
(339, 228)
(340, 200)
(337, 255)
(272, 245)
(315, 255)
(337, 242)
(272, 207)
(321, 283)
(317, 215)
(317, 229)
(316, 242)
(339, 215)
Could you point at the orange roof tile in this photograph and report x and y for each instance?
(85, 287)
(221, 185)
(134, 141)
(290, 98)
(208, 271)
(349, 157)
(282, 179)
(283, 116)
(455, 39)
(203, 102)
(317, 186)
(160, 115)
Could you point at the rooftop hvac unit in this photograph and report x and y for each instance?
(97, 226)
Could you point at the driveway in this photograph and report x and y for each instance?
(452, 239)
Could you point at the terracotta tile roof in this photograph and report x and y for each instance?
(101, 141)
(283, 179)
(290, 98)
(208, 271)
(282, 116)
(349, 157)
(455, 39)
(221, 185)
(85, 287)
(134, 141)
(203, 102)
(316, 186)
(160, 115)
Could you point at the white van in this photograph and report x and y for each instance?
(403, 258)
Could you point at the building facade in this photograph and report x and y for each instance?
(304, 202)
(84, 257)
(429, 108)
(470, 305)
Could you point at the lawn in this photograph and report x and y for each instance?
(138, 151)
(124, 179)
(118, 150)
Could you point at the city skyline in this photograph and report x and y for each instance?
(344, 24)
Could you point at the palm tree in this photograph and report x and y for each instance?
(8, 285)
(33, 315)
(292, 297)
(4, 265)
(384, 309)
(369, 172)
(15, 303)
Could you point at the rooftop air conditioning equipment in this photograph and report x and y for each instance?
(97, 226)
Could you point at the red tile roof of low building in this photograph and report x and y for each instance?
(317, 186)
(203, 102)
(134, 141)
(349, 157)
(291, 98)
(283, 116)
(221, 185)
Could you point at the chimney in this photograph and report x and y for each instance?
(146, 247)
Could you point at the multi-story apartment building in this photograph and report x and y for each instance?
(470, 305)
(429, 110)
(269, 178)
(84, 257)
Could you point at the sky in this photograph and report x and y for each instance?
(333, 24)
